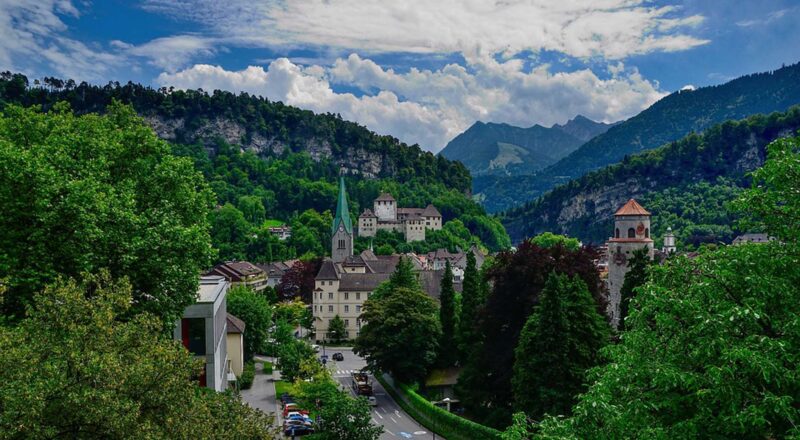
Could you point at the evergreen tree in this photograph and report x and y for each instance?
(557, 345)
(448, 351)
(337, 330)
(636, 276)
(472, 298)
(402, 277)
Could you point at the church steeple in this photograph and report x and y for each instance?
(342, 211)
(342, 228)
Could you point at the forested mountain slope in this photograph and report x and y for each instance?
(584, 207)
(270, 164)
(667, 120)
(490, 148)
(267, 128)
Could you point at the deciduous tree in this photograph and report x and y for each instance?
(448, 349)
(336, 329)
(255, 311)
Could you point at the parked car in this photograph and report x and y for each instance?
(338, 357)
(290, 408)
(315, 347)
(372, 400)
(298, 430)
(286, 398)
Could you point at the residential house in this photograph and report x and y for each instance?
(235, 344)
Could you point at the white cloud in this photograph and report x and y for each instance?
(171, 53)
(431, 107)
(611, 29)
(32, 36)
(769, 18)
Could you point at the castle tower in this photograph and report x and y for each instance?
(342, 229)
(631, 233)
(669, 242)
(385, 208)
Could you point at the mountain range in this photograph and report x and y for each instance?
(669, 119)
(503, 149)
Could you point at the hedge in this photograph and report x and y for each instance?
(448, 425)
(248, 374)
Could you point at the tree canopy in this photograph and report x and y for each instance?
(256, 312)
(73, 369)
(84, 193)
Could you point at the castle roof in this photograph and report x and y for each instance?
(632, 208)
(385, 196)
(431, 211)
(342, 212)
(367, 214)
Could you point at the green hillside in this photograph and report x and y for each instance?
(681, 180)
(665, 121)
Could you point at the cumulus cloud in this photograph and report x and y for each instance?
(611, 29)
(32, 36)
(430, 107)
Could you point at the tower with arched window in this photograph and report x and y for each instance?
(342, 228)
(631, 233)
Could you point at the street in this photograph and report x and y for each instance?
(396, 423)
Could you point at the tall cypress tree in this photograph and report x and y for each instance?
(472, 298)
(636, 276)
(448, 350)
(557, 345)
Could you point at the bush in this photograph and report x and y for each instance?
(248, 374)
(447, 424)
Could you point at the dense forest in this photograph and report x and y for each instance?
(259, 188)
(669, 182)
(671, 118)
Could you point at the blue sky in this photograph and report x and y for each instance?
(419, 70)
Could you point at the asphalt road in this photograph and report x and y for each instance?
(396, 423)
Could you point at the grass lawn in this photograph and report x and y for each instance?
(282, 386)
(270, 223)
(267, 367)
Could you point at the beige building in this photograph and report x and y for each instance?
(412, 222)
(631, 233)
(241, 273)
(235, 341)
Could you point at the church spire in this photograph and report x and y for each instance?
(342, 211)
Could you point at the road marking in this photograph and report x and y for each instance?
(405, 435)
(395, 421)
(384, 411)
(397, 413)
(420, 432)
(390, 432)
(376, 413)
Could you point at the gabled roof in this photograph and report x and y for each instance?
(431, 211)
(362, 281)
(367, 214)
(632, 208)
(235, 271)
(327, 271)
(235, 325)
(385, 197)
(342, 211)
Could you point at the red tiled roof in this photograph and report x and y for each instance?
(632, 208)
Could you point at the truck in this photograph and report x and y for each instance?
(361, 384)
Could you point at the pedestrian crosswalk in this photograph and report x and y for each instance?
(343, 373)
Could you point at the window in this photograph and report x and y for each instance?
(330, 309)
(616, 233)
(193, 332)
(646, 232)
(358, 322)
(330, 283)
(631, 233)
(358, 309)
(346, 308)
(358, 295)
(330, 295)
(341, 244)
(346, 323)
(347, 295)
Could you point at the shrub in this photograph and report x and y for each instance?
(248, 374)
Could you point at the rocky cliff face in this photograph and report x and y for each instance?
(358, 161)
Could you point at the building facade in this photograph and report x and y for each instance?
(203, 328)
(631, 233)
(235, 344)
(385, 215)
(342, 228)
(241, 273)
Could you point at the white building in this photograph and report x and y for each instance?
(203, 329)
(412, 222)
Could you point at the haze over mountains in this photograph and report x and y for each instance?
(667, 120)
(503, 149)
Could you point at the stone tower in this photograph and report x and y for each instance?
(631, 233)
(342, 229)
(669, 242)
(385, 208)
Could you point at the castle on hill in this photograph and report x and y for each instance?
(412, 222)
